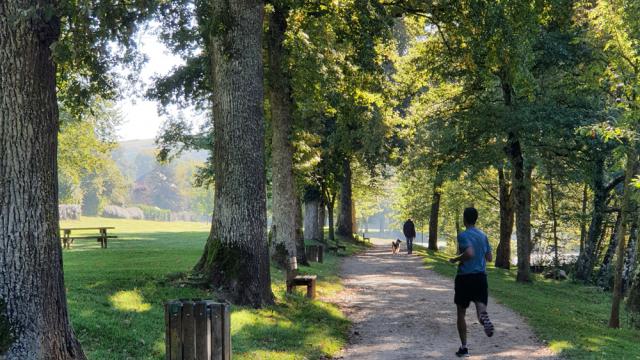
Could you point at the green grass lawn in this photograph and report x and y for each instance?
(116, 296)
(570, 317)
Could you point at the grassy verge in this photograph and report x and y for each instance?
(116, 297)
(571, 318)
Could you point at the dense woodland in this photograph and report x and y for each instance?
(528, 110)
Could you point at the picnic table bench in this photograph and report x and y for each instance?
(102, 238)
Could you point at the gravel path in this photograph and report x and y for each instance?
(400, 310)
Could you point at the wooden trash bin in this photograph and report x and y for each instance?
(197, 330)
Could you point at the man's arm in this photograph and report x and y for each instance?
(466, 255)
(488, 256)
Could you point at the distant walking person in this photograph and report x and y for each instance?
(409, 231)
(471, 280)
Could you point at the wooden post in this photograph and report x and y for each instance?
(188, 330)
(174, 347)
(320, 254)
(202, 315)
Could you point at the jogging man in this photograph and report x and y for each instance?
(409, 230)
(471, 280)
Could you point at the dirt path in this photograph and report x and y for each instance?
(401, 310)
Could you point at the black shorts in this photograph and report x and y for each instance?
(471, 287)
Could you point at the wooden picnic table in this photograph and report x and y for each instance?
(67, 238)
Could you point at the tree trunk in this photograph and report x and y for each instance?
(625, 212)
(330, 207)
(554, 224)
(583, 218)
(503, 251)
(321, 219)
(603, 278)
(299, 236)
(283, 245)
(236, 256)
(521, 182)
(630, 255)
(633, 300)
(32, 294)
(435, 211)
(587, 257)
(312, 230)
(345, 217)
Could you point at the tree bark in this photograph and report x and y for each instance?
(633, 299)
(583, 219)
(299, 239)
(630, 254)
(321, 219)
(554, 223)
(32, 294)
(236, 255)
(435, 211)
(625, 212)
(606, 269)
(586, 258)
(503, 251)
(345, 217)
(312, 231)
(521, 182)
(283, 245)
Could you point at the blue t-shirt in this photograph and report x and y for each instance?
(480, 243)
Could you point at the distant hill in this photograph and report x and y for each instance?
(137, 158)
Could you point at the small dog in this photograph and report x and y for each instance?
(395, 246)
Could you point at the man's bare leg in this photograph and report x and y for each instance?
(462, 326)
(483, 318)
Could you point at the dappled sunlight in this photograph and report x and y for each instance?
(560, 345)
(129, 300)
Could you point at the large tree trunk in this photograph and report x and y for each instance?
(283, 244)
(312, 222)
(503, 251)
(521, 182)
(625, 211)
(435, 211)
(32, 294)
(236, 256)
(587, 257)
(345, 216)
(321, 218)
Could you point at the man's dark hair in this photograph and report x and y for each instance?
(470, 215)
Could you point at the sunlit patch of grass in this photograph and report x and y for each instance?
(129, 300)
(570, 317)
(559, 346)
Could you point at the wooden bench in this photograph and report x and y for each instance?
(102, 238)
(315, 253)
(293, 279)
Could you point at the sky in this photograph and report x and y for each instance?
(141, 118)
